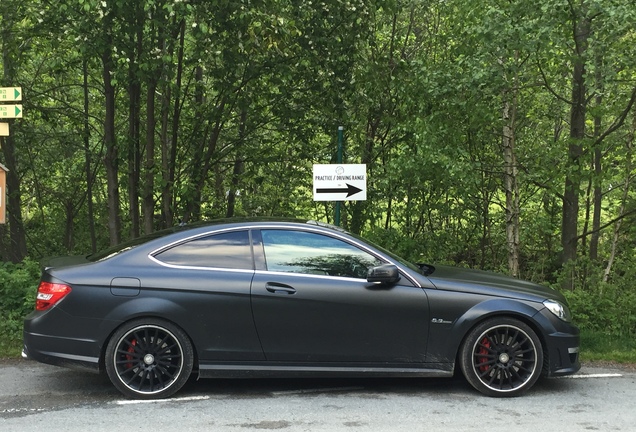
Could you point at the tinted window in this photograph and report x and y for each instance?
(133, 243)
(226, 250)
(302, 252)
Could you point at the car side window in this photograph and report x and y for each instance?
(311, 253)
(224, 250)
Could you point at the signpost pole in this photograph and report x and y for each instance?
(339, 161)
(11, 111)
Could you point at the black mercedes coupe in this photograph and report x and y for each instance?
(290, 299)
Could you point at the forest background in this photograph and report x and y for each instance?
(497, 134)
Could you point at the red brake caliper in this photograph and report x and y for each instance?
(483, 353)
(131, 350)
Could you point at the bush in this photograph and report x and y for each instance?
(599, 306)
(18, 288)
(599, 346)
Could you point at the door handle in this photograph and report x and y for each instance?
(279, 288)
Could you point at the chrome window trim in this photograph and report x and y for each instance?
(194, 237)
(215, 269)
(308, 275)
(152, 254)
(280, 226)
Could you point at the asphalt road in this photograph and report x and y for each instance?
(36, 397)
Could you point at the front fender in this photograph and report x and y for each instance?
(450, 324)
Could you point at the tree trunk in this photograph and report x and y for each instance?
(238, 166)
(617, 226)
(88, 163)
(68, 229)
(135, 21)
(134, 154)
(598, 168)
(192, 208)
(169, 145)
(569, 231)
(167, 189)
(111, 161)
(510, 184)
(149, 165)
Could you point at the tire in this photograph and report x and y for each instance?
(502, 357)
(149, 359)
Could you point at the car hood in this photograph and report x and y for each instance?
(482, 282)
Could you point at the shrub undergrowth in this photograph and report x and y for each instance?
(18, 287)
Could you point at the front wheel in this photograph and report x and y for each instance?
(149, 359)
(502, 357)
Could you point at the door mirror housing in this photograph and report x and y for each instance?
(386, 274)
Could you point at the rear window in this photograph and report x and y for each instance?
(229, 250)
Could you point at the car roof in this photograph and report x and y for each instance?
(184, 231)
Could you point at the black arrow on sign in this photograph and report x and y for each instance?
(349, 190)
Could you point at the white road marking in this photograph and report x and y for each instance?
(21, 410)
(183, 399)
(583, 376)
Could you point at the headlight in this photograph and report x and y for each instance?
(559, 309)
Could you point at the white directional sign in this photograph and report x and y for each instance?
(340, 182)
(10, 111)
(10, 94)
(4, 129)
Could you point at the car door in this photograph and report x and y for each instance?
(314, 304)
(203, 285)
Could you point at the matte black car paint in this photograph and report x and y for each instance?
(262, 323)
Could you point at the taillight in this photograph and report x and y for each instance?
(49, 294)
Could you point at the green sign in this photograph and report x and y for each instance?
(10, 111)
(10, 94)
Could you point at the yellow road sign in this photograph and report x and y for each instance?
(4, 129)
(10, 94)
(10, 111)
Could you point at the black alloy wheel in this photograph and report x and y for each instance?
(502, 357)
(149, 359)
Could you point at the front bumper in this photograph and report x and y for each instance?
(561, 344)
(563, 353)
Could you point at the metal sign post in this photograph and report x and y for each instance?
(3, 193)
(340, 182)
(339, 161)
(8, 111)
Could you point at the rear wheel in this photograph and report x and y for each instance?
(149, 359)
(502, 357)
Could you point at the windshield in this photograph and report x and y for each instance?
(424, 269)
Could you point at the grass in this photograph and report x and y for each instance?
(10, 348)
(598, 346)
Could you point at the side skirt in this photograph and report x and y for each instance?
(243, 370)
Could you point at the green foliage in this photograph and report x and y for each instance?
(598, 305)
(18, 286)
(601, 346)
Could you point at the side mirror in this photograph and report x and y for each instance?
(386, 274)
